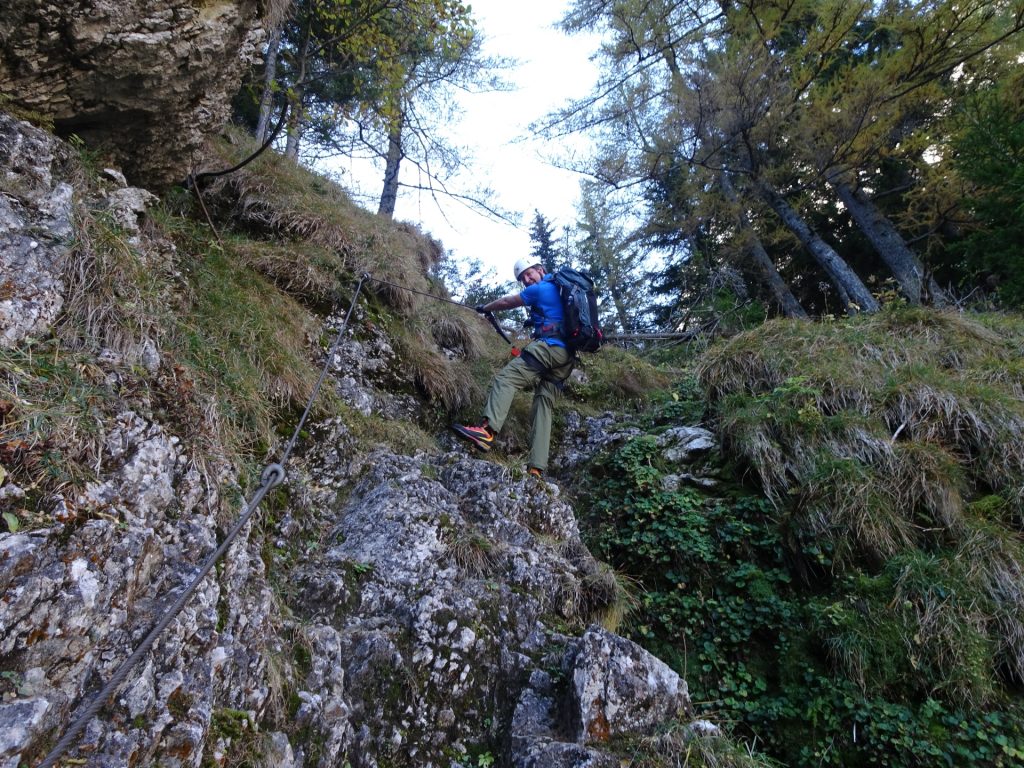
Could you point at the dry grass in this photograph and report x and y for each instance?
(613, 378)
(303, 233)
(597, 592)
(923, 623)
(473, 552)
(311, 274)
(274, 12)
(994, 559)
(53, 407)
(876, 436)
(443, 381)
(117, 294)
(328, 242)
(946, 627)
(274, 197)
(453, 334)
(880, 428)
(685, 746)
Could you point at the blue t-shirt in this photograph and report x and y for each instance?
(545, 310)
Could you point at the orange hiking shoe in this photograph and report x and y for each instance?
(481, 436)
(534, 471)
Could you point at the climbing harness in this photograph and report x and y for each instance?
(273, 475)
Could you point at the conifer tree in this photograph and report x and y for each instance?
(374, 79)
(801, 104)
(542, 242)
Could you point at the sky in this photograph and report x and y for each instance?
(552, 69)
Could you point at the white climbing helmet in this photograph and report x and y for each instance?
(522, 265)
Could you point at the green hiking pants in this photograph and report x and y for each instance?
(516, 376)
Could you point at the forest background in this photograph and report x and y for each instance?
(809, 158)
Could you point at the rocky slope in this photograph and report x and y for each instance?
(387, 608)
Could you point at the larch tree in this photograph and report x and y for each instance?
(796, 102)
(375, 79)
(608, 251)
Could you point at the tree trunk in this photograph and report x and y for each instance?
(291, 148)
(298, 98)
(784, 298)
(620, 307)
(852, 292)
(389, 195)
(889, 245)
(269, 75)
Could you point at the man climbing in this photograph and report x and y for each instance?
(543, 365)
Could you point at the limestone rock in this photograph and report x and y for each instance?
(537, 740)
(365, 370)
(564, 755)
(76, 599)
(35, 230)
(280, 753)
(586, 437)
(434, 579)
(126, 206)
(18, 720)
(686, 443)
(619, 688)
(146, 80)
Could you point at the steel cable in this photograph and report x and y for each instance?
(272, 476)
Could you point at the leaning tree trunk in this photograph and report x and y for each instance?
(854, 295)
(889, 245)
(389, 195)
(269, 75)
(784, 298)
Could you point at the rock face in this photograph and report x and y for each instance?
(618, 688)
(146, 80)
(79, 596)
(431, 613)
(427, 604)
(392, 610)
(615, 688)
(35, 230)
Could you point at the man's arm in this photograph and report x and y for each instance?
(511, 301)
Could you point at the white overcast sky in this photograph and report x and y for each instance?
(552, 68)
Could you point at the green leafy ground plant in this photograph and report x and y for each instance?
(865, 609)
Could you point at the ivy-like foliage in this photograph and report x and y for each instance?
(820, 670)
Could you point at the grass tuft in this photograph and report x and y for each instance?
(118, 295)
(472, 551)
(896, 441)
(275, 198)
(880, 428)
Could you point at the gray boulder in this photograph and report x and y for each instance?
(619, 688)
(685, 444)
